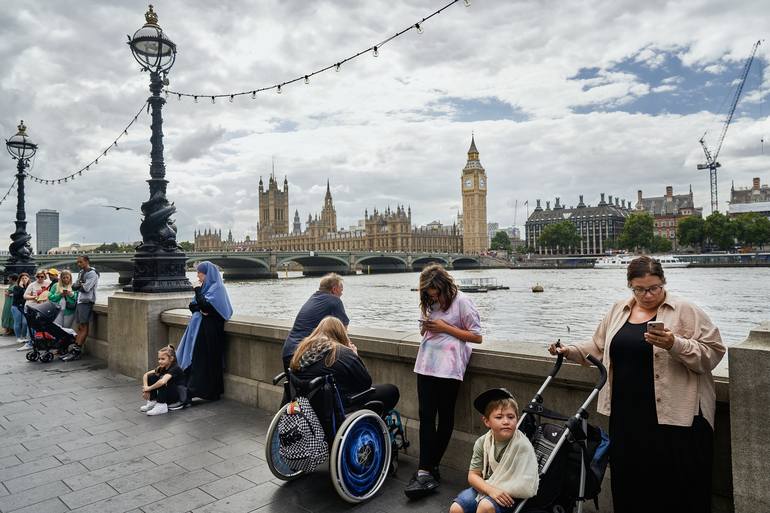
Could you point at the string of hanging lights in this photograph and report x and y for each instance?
(336, 66)
(8, 192)
(87, 167)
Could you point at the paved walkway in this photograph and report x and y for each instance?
(72, 439)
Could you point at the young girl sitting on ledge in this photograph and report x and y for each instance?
(160, 385)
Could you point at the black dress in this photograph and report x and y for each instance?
(205, 373)
(654, 467)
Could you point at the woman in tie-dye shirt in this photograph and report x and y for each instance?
(448, 322)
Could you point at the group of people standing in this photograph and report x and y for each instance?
(74, 298)
(659, 351)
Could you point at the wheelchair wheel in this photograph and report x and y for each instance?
(32, 355)
(272, 456)
(360, 456)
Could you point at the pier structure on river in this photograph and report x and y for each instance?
(267, 264)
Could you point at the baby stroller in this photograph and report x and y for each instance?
(572, 455)
(362, 444)
(49, 336)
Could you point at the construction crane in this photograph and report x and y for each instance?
(711, 157)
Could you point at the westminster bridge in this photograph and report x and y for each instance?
(267, 264)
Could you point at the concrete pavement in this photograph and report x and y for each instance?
(72, 439)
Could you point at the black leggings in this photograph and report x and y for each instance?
(437, 397)
(166, 394)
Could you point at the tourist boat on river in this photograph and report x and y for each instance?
(480, 285)
(622, 261)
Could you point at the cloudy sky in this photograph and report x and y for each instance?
(564, 98)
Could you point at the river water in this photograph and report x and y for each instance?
(572, 305)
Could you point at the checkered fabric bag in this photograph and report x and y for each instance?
(302, 440)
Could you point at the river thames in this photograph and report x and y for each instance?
(570, 308)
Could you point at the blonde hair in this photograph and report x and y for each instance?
(171, 353)
(329, 281)
(329, 329)
(60, 284)
(506, 402)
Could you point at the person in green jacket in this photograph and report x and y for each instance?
(62, 294)
(7, 318)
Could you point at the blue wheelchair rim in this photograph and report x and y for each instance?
(361, 458)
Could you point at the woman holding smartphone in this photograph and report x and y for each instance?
(449, 320)
(659, 351)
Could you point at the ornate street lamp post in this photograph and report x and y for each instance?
(159, 264)
(21, 148)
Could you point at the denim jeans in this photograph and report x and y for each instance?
(467, 501)
(19, 323)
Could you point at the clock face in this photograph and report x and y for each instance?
(468, 183)
(482, 183)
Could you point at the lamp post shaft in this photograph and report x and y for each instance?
(20, 259)
(159, 264)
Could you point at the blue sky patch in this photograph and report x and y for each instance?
(478, 109)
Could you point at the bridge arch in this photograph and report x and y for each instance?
(317, 265)
(382, 264)
(422, 261)
(466, 262)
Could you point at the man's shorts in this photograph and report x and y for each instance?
(83, 312)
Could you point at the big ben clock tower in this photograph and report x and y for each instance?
(474, 187)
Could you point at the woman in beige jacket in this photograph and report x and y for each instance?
(660, 395)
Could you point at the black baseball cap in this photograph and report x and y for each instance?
(493, 394)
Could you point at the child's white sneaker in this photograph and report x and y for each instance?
(149, 406)
(158, 409)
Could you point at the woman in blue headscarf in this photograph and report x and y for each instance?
(201, 349)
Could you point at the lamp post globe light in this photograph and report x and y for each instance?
(21, 148)
(159, 263)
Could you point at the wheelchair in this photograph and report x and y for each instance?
(363, 449)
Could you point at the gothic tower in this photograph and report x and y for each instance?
(297, 224)
(328, 213)
(474, 189)
(273, 208)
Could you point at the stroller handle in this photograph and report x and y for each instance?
(559, 361)
(602, 371)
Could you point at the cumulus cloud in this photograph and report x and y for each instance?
(388, 130)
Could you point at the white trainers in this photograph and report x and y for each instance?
(27, 346)
(158, 409)
(148, 406)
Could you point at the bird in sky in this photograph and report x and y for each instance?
(117, 207)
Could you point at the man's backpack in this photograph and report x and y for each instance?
(302, 443)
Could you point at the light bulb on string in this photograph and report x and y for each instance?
(195, 99)
(253, 95)
(179, 97)
(213, 100)
(278, 89)
(375, 51)
(307, 79)
(231, 98)
(337, 67)
(418, 27)
(467, 3)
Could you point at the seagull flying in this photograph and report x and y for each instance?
(117, 208)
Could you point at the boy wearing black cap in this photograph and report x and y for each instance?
(503, 468)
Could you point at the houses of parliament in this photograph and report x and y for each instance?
(387, 230)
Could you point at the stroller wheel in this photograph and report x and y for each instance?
(46, 357)
(32, 355)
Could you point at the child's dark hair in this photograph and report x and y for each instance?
(435, 277)
(171, 352)
(495, 404)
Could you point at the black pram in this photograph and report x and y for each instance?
(49, 336)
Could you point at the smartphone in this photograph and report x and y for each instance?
(655, 325)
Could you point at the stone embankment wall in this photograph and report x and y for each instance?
(253, 357)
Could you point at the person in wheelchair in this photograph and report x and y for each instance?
(329, 351)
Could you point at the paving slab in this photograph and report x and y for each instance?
(77, 442)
